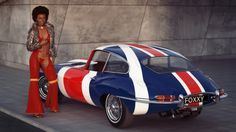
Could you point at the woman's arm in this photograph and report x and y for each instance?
(31, 44)
(53, 52)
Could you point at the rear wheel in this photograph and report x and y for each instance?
(117, 113)
(43, 89)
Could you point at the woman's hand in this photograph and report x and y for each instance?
(52, 59)
(43, 42)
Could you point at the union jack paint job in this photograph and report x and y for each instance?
(139, 86)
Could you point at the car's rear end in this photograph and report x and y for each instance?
(175, 86)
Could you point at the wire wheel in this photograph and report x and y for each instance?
(43, 88)
(113, 108)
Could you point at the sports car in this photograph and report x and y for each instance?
(133, 79)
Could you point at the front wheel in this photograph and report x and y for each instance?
(117, 113)
(43, 89)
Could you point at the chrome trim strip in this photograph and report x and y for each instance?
(142, 100)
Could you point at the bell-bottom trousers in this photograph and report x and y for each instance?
(34, 105)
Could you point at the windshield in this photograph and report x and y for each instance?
(168, 64)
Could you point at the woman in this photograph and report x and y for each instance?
(40, 42)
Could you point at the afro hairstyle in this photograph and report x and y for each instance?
(40, 10)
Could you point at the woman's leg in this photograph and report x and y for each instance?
(50, 73)
(34, 105)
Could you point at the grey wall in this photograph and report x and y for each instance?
(192, 27)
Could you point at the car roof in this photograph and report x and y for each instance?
(142, 51)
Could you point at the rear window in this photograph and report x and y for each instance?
(168, 64)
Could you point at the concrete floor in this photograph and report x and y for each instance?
(75, 116)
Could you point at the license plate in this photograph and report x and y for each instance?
(193, 99)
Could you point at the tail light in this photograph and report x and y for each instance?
(165, 98)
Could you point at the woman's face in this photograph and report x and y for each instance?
(41, 19)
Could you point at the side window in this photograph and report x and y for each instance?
(98, 61)
(116, 64)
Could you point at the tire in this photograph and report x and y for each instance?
(117, 113)
(43, 89)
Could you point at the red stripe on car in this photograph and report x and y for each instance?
(148, 49)
(73, 86)
(191, 84)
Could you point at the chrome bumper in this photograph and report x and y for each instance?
(179, 102)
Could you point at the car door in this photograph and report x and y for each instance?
(95, 68)
(108, 70)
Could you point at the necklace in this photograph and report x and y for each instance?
(41, 27)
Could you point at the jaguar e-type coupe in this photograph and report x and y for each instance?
(134, 79)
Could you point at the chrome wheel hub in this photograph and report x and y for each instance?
(113, 108)
(43, 87)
